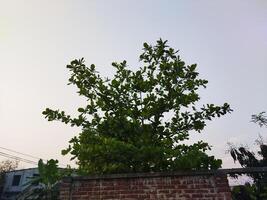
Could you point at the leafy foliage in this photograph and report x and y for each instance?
(48, 173)
(138, 121)
(45, 184)
(260, 118)
(244, 192)
(247, 158)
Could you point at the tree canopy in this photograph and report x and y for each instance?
(247, 158)
(138, 121)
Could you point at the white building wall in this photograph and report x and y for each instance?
(26, 175)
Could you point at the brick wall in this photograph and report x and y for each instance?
(164, 186)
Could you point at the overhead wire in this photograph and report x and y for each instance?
(18, 158)
(22, 159)
(24, 154)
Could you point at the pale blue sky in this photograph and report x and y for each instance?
(227, 39)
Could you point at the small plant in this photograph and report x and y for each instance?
(45, 184)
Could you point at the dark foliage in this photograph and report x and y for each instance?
(138, 121)
(247, 158)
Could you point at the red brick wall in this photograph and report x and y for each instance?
(147, 186)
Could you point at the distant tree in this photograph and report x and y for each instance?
(138, 121)
(260, 119)
(6, 166)
(247, 158)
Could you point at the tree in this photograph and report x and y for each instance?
(138, 121)
(44, 186)
(244, 192)
(6, 166)
(260, 119)
(247, 158)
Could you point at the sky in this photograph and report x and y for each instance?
(227, 39)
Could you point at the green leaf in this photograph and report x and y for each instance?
(138, 121)
(81, 110)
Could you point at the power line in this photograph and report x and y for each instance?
(24, 154)
(18, 158)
